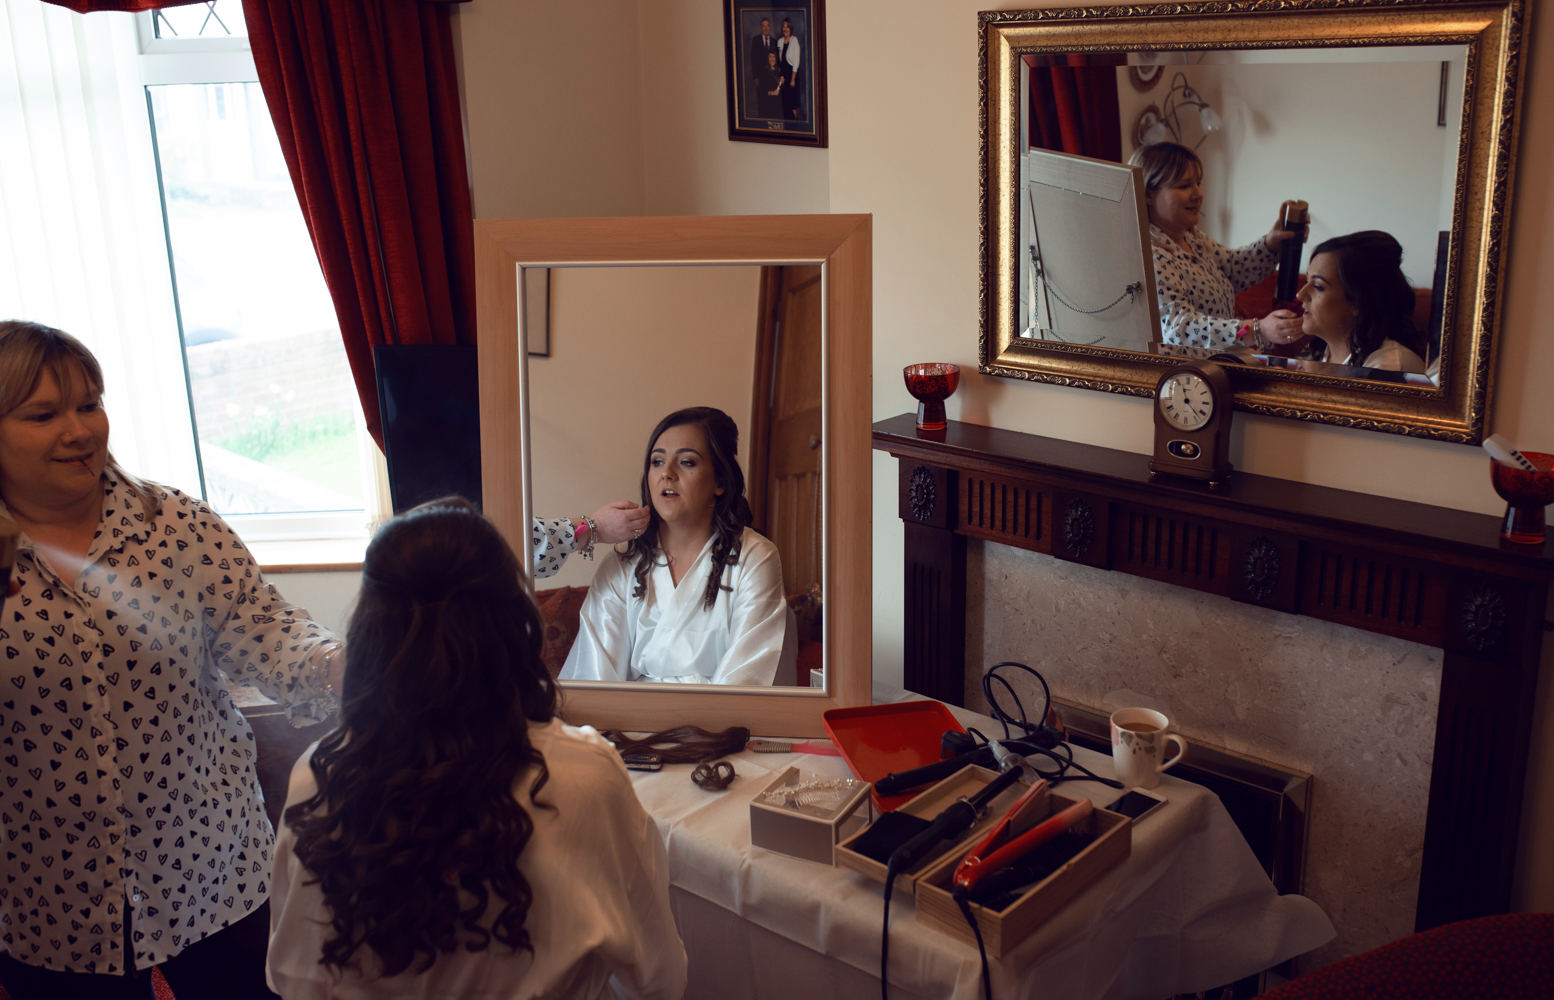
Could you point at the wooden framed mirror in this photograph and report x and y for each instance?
(1425, 151)
(836, 251)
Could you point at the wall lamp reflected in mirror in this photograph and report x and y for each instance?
(1168, 123)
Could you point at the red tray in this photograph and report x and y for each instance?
(877, 740)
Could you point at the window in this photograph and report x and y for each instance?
(145, 208)
(211, 19)
(277, 423)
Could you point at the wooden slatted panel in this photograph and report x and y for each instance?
(1370, 591)
(1005, 511)
(1171, 548)
(1467, 870)
(934, 626)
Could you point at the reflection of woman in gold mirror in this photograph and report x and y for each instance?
(1196, 279)
(698, 598)
(1359, 304)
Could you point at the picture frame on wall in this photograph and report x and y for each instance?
(775, 64)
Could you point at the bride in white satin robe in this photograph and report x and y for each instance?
(669, 633)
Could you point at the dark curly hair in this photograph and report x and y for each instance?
(415, 826)
(1370, 268)
(731, 511)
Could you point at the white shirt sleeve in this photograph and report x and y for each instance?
(791, 54)
(1196, 292)
(602, 649)
(553, 541)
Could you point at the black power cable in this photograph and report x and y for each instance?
(1040, 739)
(953, 821)
(971, 918)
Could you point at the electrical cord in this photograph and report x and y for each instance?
(890, 883)
(961, 900)
(997, 711)
(1039, 738)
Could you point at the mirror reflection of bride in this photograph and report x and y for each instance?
(697, 598)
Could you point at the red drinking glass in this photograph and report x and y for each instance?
(931, 384)
(1525, 494)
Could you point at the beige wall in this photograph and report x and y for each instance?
(589, 109)
(329, 597)
(904, 147)
(552, 107)
(628, 346)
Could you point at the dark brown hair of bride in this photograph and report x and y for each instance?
(683, 744)
(414, 826)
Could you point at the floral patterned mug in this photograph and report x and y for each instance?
(1139, 738)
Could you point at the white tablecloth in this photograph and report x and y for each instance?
(1189, 909)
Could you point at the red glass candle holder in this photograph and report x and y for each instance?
(931, 384)
(1525, 495)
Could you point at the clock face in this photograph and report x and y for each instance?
(1186, 401)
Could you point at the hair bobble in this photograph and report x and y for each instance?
(713, 777)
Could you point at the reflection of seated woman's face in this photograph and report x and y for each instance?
(1175, 207)
(1328, 312)
(680, 475)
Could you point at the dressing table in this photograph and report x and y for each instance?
(1189, 909)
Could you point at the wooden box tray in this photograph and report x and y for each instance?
(1003, 929)
(966, 782)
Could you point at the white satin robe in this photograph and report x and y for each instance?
(668, 635)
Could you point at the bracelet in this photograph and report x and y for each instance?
(318, 672)
(586, 550)
(1257, 335)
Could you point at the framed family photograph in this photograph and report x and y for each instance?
(776, 69)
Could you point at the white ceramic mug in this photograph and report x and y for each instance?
(1139, 738)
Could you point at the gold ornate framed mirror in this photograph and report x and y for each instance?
(1313, 97)
(839, 247)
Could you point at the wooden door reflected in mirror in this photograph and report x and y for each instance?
(786, 422)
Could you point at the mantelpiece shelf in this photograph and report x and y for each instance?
(1429, 574)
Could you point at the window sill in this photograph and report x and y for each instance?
(310, 555)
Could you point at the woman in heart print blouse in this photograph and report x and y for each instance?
(132, 827)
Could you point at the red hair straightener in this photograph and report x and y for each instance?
(1017, 835)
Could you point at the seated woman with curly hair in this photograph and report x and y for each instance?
(698, 597)
(453, 838)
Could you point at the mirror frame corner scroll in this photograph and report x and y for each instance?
(1493, 30)
(843, 243)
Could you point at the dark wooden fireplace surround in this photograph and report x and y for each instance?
(1428, 574)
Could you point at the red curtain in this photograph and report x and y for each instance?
(365, 100)
(1074, 106)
